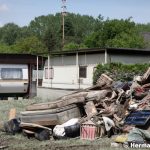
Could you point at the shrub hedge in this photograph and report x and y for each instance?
(118, 71)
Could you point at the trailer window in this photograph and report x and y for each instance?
(11, 73)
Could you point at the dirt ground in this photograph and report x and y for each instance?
(19, 142)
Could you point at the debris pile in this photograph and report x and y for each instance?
(108, 108)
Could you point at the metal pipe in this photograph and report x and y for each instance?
(63, 24)
(48, 65)
(106, 56)
(85, 62)
(37, 72)
(77, 68)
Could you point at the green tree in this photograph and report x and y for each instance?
(51, 40)
(81, 31)
(74, 46)
(125, 41)
(6, 49)
(10, 33)
(116, 33)
(31, 45)
(69, 29)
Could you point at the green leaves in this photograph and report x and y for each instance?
(44, 33)
(51, 40)
(116, 33)
(30, 45)
(10, 33)
(118, 71)
(74, 46)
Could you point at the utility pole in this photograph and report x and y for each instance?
(64, 12)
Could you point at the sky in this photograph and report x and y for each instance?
(21, 12)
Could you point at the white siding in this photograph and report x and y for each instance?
(66, 71)
(66, 77)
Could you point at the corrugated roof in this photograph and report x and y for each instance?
(98, 50)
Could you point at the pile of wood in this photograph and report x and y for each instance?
(76, 105)
(105, 99)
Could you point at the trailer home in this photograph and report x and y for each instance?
(17, 72)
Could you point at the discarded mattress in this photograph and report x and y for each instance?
(48, 119)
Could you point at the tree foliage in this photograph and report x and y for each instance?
(10, 33)
(51, 40)
(44, 33)
(116, 33)
(30, 45)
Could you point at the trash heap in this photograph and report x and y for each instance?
(108, 108)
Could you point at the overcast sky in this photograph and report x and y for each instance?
(22, 12)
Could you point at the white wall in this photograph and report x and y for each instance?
(66, 72)
(67, 77)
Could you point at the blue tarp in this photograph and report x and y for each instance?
(138, 117)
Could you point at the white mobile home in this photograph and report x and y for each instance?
(71, 71)
(74, 69)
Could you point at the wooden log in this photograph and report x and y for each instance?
(57, 104)
(76, 95)
(90, 109)
(104, 80)
(98, 95)
(146, 76)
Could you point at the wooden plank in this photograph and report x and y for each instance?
(33, 126)
(56, 104)
(75, 95)
(98, 95)
(12, 113)
(146, 76)
(49, 111)
(28, 131)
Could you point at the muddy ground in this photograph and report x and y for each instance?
(18, 142)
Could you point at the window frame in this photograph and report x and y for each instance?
(84, 74)
(51, 75)
(11, 78)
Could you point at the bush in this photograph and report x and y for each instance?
(118, 71)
